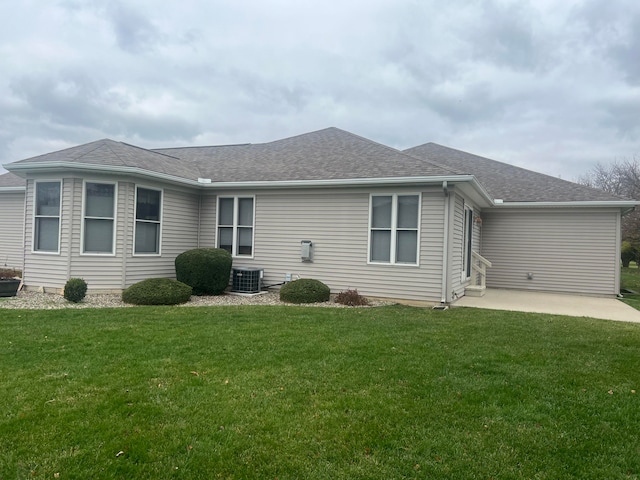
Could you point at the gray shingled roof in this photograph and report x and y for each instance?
(117, 154)
(323, 155)
(11, 180)
(508, 182)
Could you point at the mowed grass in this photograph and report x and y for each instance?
(630, 280)
(303, 392)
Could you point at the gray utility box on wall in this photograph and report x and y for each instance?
(246, 279)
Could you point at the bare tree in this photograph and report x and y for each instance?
(621, 178)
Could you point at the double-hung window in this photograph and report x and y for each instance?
(235, 225)
(46, 231)
(394, 226)
(148, 221)
(99, 217)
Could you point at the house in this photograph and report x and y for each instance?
(423, 224)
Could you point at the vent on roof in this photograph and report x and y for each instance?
(247, 280)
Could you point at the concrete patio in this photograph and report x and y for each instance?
(553, 303)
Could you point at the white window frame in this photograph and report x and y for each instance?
(394, 228)
(36, 217)
(467, 242)
(85, 217)
(236, 226)
(159, 222)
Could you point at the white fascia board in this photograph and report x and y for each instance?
(86, 167)
(265, 184)
(580, 204)
(13, 189)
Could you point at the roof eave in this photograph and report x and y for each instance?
(45, 167)
(12, 189)
(622, 204)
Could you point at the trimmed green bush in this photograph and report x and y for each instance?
(157, 291)
(305, 290)
(206, 270)
(75, 290)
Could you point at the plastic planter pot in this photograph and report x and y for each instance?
(9, 287)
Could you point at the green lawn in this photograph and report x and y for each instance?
(630, 280)
(295, 392)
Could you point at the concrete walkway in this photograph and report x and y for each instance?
(554, 303)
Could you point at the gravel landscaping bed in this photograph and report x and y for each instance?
(35, 300)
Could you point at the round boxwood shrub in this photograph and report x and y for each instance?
(305, 290)
(157, 291)
(75, 290)
(206, 270)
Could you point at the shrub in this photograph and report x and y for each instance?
(206, 270)
(305, 290)
(157, 291)
(628, 253)
(351, 298)
(10, 273)
(75, 289)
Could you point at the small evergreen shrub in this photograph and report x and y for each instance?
(157, 291)
(206, 270)
(75, 290)
(305, 290)
(351, 298)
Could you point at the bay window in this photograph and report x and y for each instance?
(148, 221)
(99, 217)
(46, 229)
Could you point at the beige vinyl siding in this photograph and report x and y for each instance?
(49, 270)
(180, 213)
(12, 229)
(566, 251)
(337, 222)
(208, 220)
(457, 249)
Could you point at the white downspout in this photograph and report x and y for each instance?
(445, 244)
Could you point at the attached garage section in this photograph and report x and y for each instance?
(556, 250)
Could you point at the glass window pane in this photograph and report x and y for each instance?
(225, 238)
(225, 214)
(381, 246)
(98, 236)
(407, 246)
(245, 241)
(148, 205)
(99, 201)
(48, 198)
(408, 211)
(381, 212)
(46, 234)
(245, 214)
(147, 237)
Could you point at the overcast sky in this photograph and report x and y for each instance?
(550, 85)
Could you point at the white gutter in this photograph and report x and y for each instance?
(263, 184)
(13, 189)
(584, 204)
(445, 245)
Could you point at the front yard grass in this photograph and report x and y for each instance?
(630, 280)
(304, 392)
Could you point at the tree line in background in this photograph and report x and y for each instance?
(621, 178)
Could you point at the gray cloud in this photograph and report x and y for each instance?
(547, 85)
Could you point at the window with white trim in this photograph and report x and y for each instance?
(46, 229)
(235, 225)
(148, 221)
(99, 217)
(393, 229)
